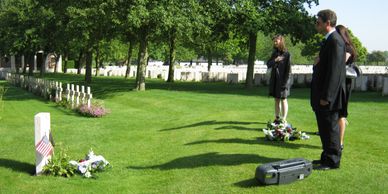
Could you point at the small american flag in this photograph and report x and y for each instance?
(44, 146)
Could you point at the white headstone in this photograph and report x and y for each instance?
(59, 64)
(35, 63)
(385, 86)
(22, 61)
(232, 78)
(13, 64)
(42, 128)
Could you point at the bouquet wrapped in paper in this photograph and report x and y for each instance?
(90, 164)
(283, 132)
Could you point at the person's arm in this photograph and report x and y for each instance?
(347, 56)
(271, 62)
(333, 69)
(287, 69)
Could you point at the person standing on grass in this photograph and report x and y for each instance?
(328, 90)
(279, 85)
(350, 57)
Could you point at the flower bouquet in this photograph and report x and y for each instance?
(283, 131)
(90, 164)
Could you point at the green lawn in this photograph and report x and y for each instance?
(188, 138)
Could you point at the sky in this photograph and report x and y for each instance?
(367, 19)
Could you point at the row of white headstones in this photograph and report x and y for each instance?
(74, 94)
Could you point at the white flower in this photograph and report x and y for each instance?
(74, 163)
(88, 174)
(82, 169)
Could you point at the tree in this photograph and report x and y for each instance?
(376, 56)
(269, 17)
(21, 22)
(146, 18)
(360, 49)
(93, 21)
(211, 27)
(311, 47)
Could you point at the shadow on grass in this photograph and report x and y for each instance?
(249, 183)
(209, 159)
(17, 94)
(214, 122)
(106, 87)
(258, 141)
(238, 128)
(18, 166)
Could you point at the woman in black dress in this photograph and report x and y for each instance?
(279, 85)
(350, 58)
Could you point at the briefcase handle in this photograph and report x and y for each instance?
(288, 164)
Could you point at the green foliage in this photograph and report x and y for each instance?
(376, 57)
(64, 103)
(360, 49)
(311, 48)
(59, 164)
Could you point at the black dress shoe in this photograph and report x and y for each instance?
(316, 162)
(324, 167)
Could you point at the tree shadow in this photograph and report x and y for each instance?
(14, 94)
(214, 122)
(238, 128)
(106, 87)
(258, 141)
(18, 166)
(209, 159)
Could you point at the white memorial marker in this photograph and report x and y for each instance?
(43, 147)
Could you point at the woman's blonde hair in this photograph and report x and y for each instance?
(282, 45)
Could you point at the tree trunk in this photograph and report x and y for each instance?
(31, 61)
(65, 57)
(129, 56)
(209, 59)
(40, 60)
(251, 59)
(143, 57)
(171, 65)
(25, 58)
(89, 59)
(57, 57)
(97, 59)
(78, 63)
(17, 64)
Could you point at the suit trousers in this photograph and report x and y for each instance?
(329, 132)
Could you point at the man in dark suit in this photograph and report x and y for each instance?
(328, 90)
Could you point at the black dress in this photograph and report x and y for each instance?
(348, 88)
(279, 85)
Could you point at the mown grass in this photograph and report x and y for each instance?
(188, 138)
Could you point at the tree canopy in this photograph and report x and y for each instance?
(231, 31)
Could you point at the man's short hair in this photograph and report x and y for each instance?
(328, 15)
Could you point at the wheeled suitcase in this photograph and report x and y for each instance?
(282, 172)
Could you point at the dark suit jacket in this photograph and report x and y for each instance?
(328, 81)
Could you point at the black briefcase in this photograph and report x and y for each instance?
(282, 172)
